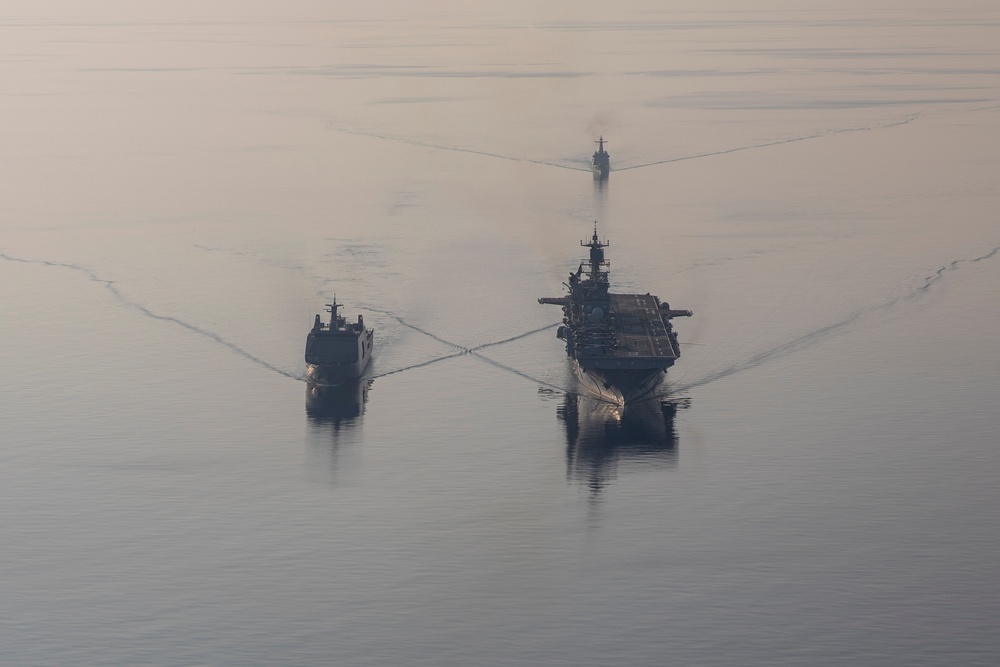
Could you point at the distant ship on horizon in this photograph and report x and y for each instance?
(601, 161)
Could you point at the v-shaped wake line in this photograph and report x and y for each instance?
(513, 338)
(420, 364)
(211, 335)
(470, 353)
(461, 348)
(514, 371)
(457, 149)
(110, 285)
(753, 361)
(725, 151)
(772, 353)
(930, 280)
(790, 346)
(767, 144)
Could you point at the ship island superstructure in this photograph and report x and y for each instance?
(338, 352)
(621, 344)
(601, 161)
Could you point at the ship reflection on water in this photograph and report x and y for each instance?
(601, 435)
(334, 415)
(340, 407)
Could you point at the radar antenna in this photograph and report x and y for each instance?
(332, 309)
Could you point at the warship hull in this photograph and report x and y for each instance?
(621, 344)
(618, 386)
(339, 352)
(331, 375)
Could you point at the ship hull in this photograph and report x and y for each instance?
(331, 375)
(338, 358)
(617, 385)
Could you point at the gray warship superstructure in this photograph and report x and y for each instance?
(602, 161)
(337, 352)
(621, 344)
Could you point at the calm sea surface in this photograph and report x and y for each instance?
(185, 187)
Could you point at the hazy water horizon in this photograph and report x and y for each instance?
(187, 186)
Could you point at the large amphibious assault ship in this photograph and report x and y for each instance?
(337, 352)
(621, 343)
(602, 161)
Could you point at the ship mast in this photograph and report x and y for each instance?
(597, 257)
(332, 309)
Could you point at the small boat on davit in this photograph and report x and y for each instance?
(621, 344)
(337, 352)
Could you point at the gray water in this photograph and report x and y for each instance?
(185, 187)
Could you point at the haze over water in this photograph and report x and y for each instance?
(185, 187)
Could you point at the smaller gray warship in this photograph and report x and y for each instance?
(621, 344)
(602, 161)
(338, 352)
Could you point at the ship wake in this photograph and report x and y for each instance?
(789, 346)
(120, 296)
(457, 149)
(461, 350)
(686, 383)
